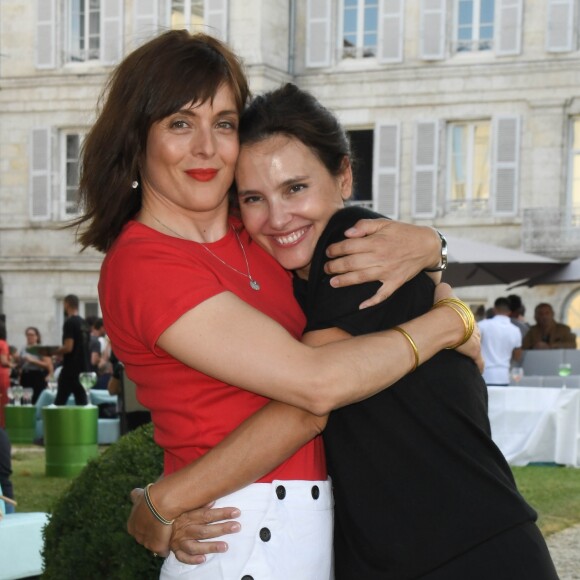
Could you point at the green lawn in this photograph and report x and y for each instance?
(553, 491)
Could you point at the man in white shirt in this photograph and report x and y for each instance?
(501, 342)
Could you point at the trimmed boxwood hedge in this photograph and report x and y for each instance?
(86, 536)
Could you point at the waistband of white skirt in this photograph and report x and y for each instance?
(296, 493)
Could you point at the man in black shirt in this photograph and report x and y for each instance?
(75, 354)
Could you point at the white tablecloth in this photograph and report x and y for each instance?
(533, 424)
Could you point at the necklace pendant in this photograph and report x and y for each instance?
(254, 285)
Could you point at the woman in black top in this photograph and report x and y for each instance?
(421, 490)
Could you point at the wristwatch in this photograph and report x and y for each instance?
(443, 260)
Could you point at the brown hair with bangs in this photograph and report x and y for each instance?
(156, 80)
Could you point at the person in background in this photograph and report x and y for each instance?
(6, 365)
(34, 368)
(74, 352)
(547, 333)
(517, 313)
(6, 472)
(94, 344)
(501, 343)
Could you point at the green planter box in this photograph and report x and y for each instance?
(20, 423)
(70, 438)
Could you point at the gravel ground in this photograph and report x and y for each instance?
(565, 549)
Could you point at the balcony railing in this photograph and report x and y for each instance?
(553, 232)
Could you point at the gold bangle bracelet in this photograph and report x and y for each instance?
(464, 312)
(412, 343)
(466, 315)
(153, 509)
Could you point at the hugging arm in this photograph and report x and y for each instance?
(390, 251)
(277, 360)
(255, 448)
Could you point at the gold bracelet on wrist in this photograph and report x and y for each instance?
(153, 509)
(412, 343)
(464, 313)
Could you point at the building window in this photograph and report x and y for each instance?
(474, 25)
(85, 30)
(469, 167)
(360, 28)
(361, 143)
(575, 164)
(186, 14)
(71, 172)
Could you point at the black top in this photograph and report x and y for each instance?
(78, 360)
(417, 478)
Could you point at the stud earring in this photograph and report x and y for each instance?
(135, 184)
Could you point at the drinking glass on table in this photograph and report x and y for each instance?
(17, 392)
(27, 394)
(88, 381)
(564, 370)
(516, 374)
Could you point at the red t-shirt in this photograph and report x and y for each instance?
(148, 281)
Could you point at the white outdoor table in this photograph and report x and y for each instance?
(533, 424)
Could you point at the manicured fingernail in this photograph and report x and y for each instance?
(236, 513)
(235, 527)
(334, 282)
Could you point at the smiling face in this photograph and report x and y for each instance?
(190, 158)
(286, 198)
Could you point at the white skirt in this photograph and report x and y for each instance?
(286, 535)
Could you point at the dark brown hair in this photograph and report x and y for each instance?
(296, 113)
(151, 83)
(36, 331)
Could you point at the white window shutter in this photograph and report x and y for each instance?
(146, 20)
(40, 184)
(560, 27)
(111, 31)
(508, 26)
(425, 157)
(215, 16)
(45, 34)
(391, 31)
(318, 33)
(505, 167)
(386, 153)
(432, 34)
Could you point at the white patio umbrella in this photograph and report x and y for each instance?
(472, 263)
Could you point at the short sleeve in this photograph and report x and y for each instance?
(162, 280)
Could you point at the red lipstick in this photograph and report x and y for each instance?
(202, 174)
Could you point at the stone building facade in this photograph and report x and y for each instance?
(464, 114)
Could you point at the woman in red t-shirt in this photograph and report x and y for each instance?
(205, 321)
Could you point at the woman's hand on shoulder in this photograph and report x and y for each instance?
(383, 250)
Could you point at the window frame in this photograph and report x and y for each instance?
(469, 205)
(188, 21)
(573, 154)
(476, 29)
(70, 50)
(358, 49)
(64, 187)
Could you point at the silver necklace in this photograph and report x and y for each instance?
(254, 284)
